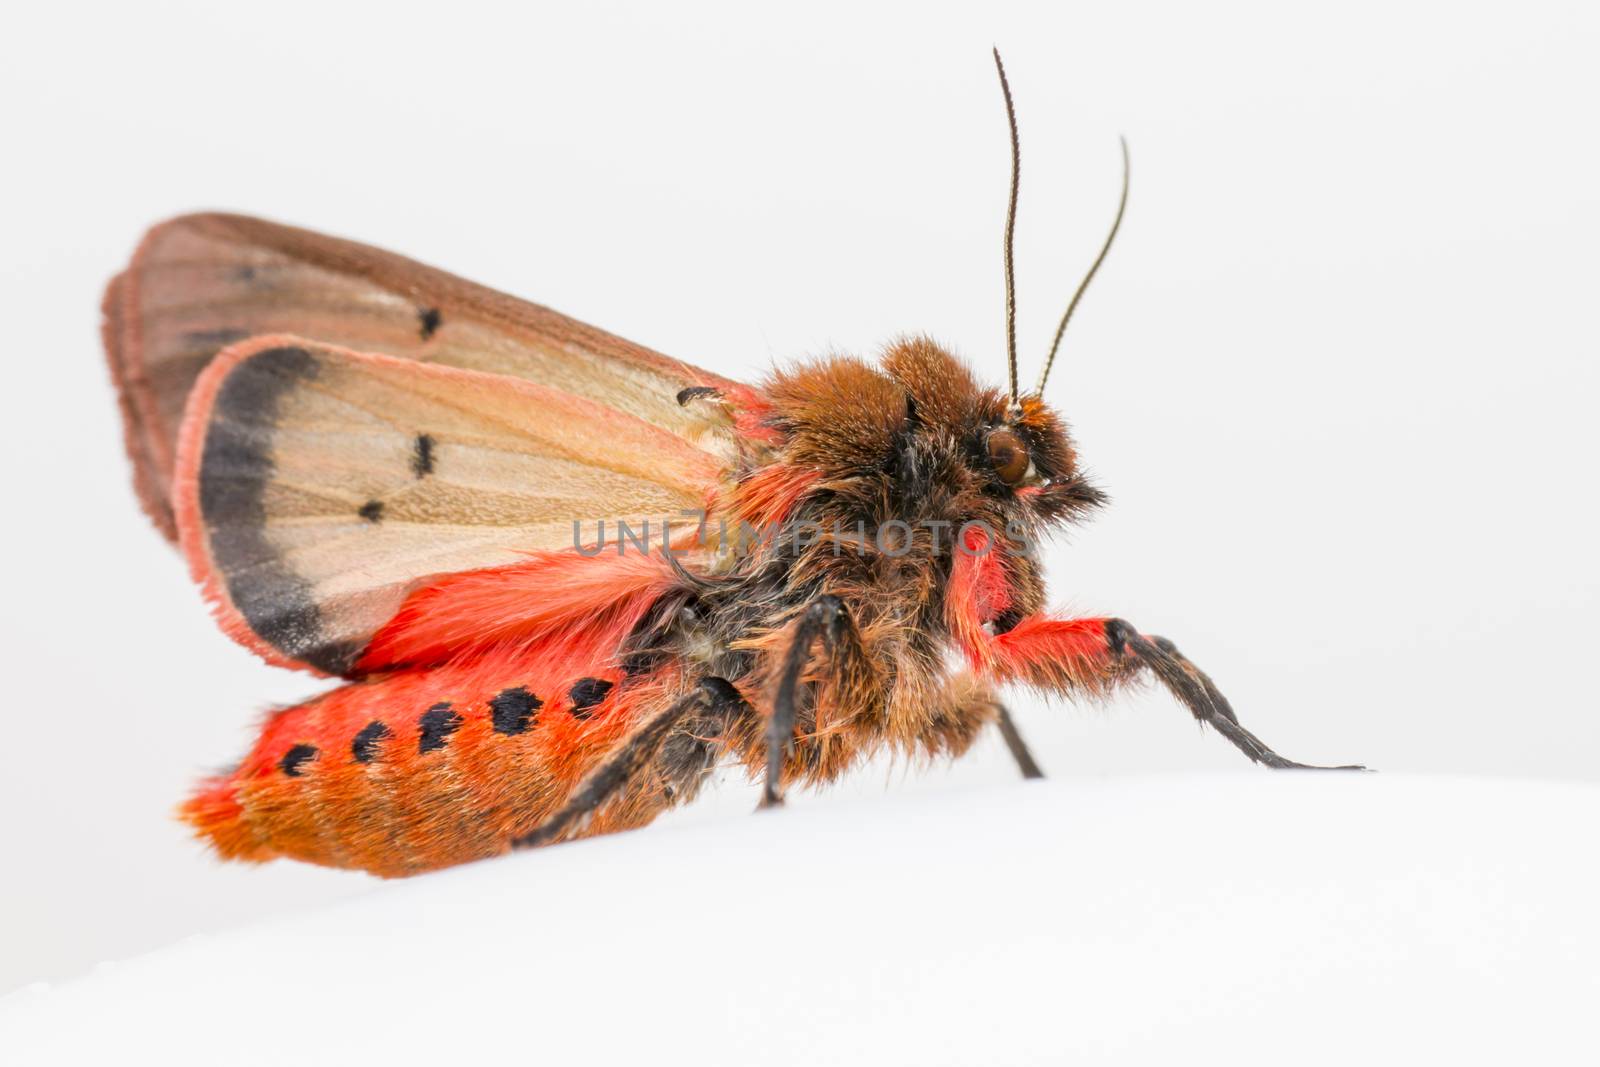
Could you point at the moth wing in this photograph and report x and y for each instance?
(317, 487)
(199, 283)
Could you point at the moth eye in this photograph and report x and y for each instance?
(1009, 456)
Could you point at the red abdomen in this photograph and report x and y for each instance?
(423, 769)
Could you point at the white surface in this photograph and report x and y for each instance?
(1338, 375)
(1250, 919)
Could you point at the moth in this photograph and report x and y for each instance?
(379, 473)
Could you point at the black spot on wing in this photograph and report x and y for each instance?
(365, 745)
(422, 455)
(213, 339)
(436, 726)
(513, 710)
(695, 392)
(295, 757)
(235, 470)
(585, 694)
(372, 511)
(431, 320)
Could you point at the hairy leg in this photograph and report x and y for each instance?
(1090, 656)
(826, 618)
(1015, 744)
(632, 757)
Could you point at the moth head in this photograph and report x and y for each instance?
(1012, 462)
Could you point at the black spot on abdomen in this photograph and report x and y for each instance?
(431, 321)
(422, 455)
(295, 757)
(372, 511)
(513, 710)
(436, 726)
(365, 746)
(585, 694)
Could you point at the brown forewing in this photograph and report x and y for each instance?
(199, 283)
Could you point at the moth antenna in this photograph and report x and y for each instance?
(1011, 226)
(1116, 224)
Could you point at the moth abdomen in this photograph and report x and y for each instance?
(416, 770)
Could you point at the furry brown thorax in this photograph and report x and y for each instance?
(908, 443)
(896, 464)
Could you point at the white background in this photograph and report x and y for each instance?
(1391, 919)
(1339, 374)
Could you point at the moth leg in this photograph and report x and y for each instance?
(1015, 744)
(981, 708)
(1200, 695)
(630, 758)
(825, 617)
(1092, 655)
